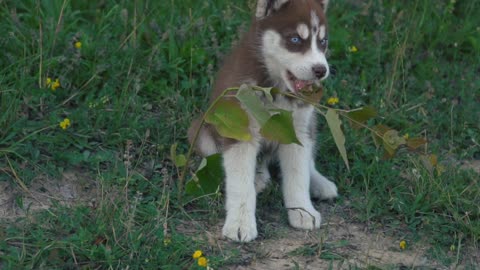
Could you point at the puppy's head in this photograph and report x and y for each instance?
(294, 40)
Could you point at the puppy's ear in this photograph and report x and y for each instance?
(324, 4)
(267, 7)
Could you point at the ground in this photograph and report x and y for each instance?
(341, 243)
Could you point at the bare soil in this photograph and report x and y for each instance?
(16, 200)
(339, 244)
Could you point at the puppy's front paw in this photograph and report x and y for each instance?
(304, 218)
(240, 228)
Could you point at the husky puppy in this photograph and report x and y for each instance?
(284, 48)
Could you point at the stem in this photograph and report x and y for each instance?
(318, 107)
(363, 125)
(181, 179)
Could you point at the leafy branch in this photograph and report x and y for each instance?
(230, 115)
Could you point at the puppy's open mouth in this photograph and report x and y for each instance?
(298, 84)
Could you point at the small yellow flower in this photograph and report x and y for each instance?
(403, 244)
(202, 261)
(49, 81)
(78, 45)
(352, 49)
(65, 123)
(54, 85)
(332, 100)
(197, 254)
(406, 136)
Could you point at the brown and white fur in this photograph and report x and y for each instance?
(285, 48)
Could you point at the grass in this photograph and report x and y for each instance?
(144, 70)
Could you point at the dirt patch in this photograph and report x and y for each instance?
(16, 200)
(339, 244)
(343, 246)
(471, 165)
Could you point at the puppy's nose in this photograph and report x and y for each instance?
(319, 71)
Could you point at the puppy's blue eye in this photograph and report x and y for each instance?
(295, 40)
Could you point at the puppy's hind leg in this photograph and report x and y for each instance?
(262, 177)
(321, 187)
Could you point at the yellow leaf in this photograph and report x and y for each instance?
(415, 143)
(391, 141)
(314, 93)
(379, 131)
(433, 160)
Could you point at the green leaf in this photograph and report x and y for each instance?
(208, 177)
(389, 139)
(230, 120)
(334, 123)
(279, 128)
(267, 91)
(193, 188)
(361, 115)
(251, 101)
(178, 160)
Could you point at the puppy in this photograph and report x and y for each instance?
(284, 48)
